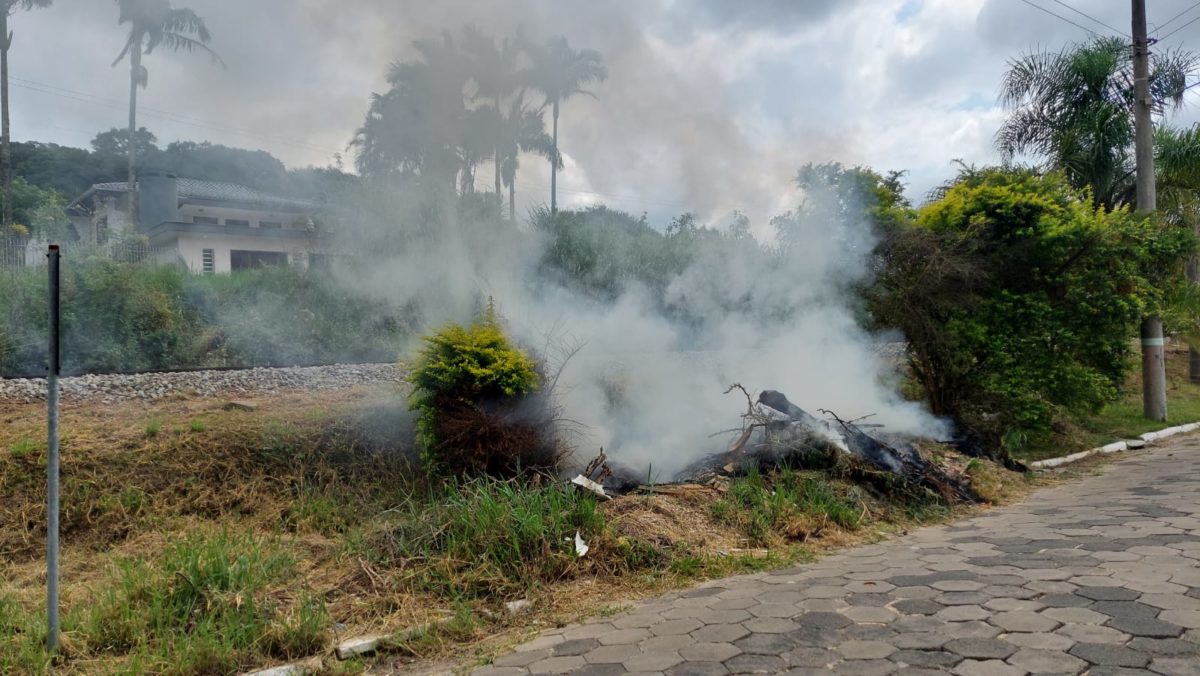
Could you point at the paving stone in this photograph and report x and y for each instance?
(1188, 619)
(921, 640)
(673, 627)
(1087, 633)
(666, 643)
(1144, 626)
(624, 636)
(500, 671)
(1023, 620)
(770, 625)
(521, 659)
(1046, 661)
(925, 658)
(765, 644)
(600, 670)
(810, 657)
(972, 629)
(1075, 615)
(865, 650)
(870, 614)
(709, 652)
(697, 669)
(981, 648)
(1040, 641)
(611, 654)
(1106, 654)
(572, 648)
(868, 599)
(556, 665)
(866, 667)
(917, 607)
(1065, 600)
(987, 668)
(962, 598)
(658, 660)
(1175, 667)
(755, 664)
(720, 633)
(1107, 593)
(1010, 604)
(1164, 646)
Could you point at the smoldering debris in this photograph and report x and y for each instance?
(778, 433)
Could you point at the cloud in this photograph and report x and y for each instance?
(710, 105)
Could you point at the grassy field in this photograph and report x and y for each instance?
(1123, 419)
(198, 540)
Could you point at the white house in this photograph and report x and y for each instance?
(209, 226)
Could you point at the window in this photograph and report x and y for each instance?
(244, 260)
(208, 261)
(238, 222)
(211, 220)
(274, 225)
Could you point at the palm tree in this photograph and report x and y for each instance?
(560, 72)
(524, 130)
(7, 9)
(1075, 109)
(153, 23)
(493, 68)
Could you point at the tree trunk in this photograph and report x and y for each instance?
(496, 156)
(135, 67)
(512, 200)
(6, 218)
(554, 166)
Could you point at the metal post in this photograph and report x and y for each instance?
(1154, 377)
(52, 459)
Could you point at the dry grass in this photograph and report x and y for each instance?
(321, 477)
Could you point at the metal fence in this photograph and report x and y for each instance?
(19, 254)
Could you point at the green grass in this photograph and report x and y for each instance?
(197, 426)
(25, 448)
(153, 428)
(791, 502)
(1123, 418)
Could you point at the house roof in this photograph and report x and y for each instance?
(211, 191)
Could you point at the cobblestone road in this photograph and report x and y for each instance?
(1101, 575)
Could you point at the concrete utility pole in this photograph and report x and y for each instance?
(1154, 377)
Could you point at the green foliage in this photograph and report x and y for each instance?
(153, 428)
(463, 369)
(132, 317)
(1018, 298)
(203, 606)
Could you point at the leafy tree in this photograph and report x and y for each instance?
(1075, 109)
(1018, 296)
(7, 9)
(153, 23)
(115, 142)
(28, 203)
(560, 72)
(493, 69)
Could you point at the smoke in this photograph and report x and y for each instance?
(648, 382)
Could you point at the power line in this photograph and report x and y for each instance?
(1063, 18)
(1088, 16)
(1179, 29)
(1172, 19)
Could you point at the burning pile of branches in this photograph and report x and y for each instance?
(776, 432)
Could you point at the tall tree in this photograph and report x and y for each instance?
(493, 68)
(1075, 109)
(560, 72)
(7, 9)
(153, 23)
(524, 130)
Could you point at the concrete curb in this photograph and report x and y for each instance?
(1116, 446)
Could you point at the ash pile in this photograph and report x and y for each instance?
(777, 433)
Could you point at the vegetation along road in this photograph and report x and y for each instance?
(1098, 575)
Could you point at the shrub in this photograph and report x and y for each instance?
(478, 406)
(1020, 299)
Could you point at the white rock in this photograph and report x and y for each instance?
(362, 645)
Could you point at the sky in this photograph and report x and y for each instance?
(710, 105)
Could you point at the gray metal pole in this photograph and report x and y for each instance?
(52, 460)
(1154, 376)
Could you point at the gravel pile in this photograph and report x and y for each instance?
(110, 389)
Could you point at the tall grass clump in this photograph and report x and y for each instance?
(478, 406)
(488, 538)
(789, 503)
(204, 605)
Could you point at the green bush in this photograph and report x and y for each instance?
(1020, 299)
(477, 409)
